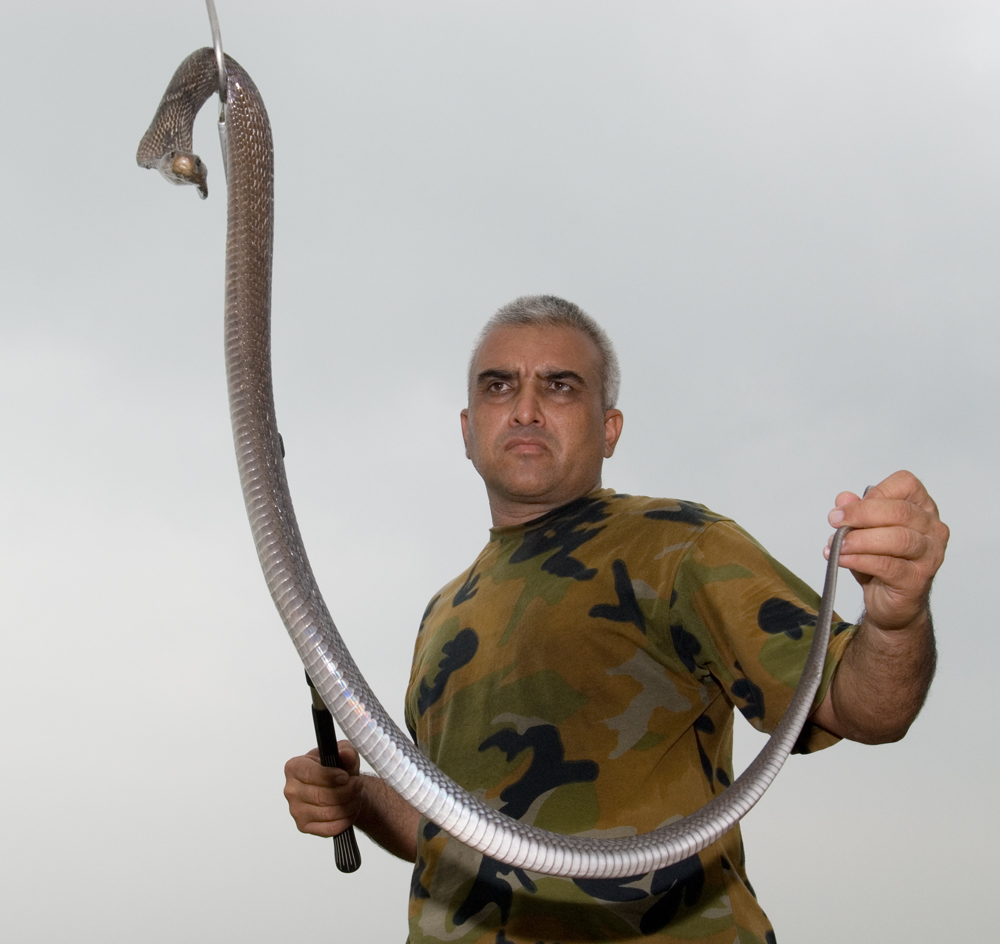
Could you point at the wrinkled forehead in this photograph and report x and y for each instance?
(531, 349)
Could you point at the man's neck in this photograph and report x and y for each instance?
(508, 510)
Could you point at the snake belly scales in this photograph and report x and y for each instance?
(393, 756)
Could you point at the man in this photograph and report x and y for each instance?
(582, 674)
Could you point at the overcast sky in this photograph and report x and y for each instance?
(786, 216)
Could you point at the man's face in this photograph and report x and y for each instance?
(535, 429)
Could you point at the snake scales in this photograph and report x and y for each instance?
(167, 146)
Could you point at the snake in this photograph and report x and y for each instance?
(249, 165)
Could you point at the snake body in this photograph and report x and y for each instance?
(250, 174)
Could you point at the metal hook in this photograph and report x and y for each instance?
(213, 19)
(223, 84)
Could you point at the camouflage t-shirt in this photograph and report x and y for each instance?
(581, 676)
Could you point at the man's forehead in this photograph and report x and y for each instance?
(536, 348)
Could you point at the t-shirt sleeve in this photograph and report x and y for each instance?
(747, 621)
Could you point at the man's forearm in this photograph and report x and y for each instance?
(388, 819)
(881, 683)
(894, 545)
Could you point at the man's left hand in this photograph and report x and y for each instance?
(895, 549)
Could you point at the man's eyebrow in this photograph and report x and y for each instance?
(564, 375)
(494, 373)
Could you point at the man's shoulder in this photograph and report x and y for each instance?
(648, 508)
(696, 524)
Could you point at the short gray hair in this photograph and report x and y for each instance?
(548, 310)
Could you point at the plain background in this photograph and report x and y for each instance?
(785, 214)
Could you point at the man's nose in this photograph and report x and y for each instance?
(527, 408)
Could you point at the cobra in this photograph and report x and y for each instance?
(248, 154)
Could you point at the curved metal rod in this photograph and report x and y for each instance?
(220, 59)
(293, 586)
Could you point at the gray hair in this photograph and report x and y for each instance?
(548, 310)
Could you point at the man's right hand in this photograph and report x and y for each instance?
(324, 801)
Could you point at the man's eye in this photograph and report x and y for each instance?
(497, 386)
(559, 387)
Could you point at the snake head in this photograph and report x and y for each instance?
(180, 167)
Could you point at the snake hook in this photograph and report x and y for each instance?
(213, 19)
(220, 59)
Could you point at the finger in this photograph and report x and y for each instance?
(325, 821)
(326, 818)
(909, 578)
(883, 513)
(327, 804)
(905, 486)
(343, 793)
(846, 498)
(895, 573)
(925, 552)
(303, 760)
(897, 541)
(326, 830)
(307, 769)
(901, 486)
(333, 778)
(307, 796)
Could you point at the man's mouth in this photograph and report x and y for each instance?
(525, 445)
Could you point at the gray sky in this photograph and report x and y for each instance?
(785, 214)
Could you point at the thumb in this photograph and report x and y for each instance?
(349, 758)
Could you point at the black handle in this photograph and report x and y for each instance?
(345, 846)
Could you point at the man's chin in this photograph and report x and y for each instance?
(525, 488)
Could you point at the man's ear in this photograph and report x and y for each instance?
(464, 415)
(613, 421)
